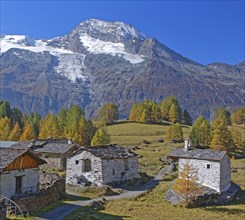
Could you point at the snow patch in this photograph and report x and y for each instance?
(97, 46)
(72, 67)
(26, 43)
(115, 28)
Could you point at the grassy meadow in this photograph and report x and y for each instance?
(152, 205)
(133, 134)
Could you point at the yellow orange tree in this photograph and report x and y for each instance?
(187, 184)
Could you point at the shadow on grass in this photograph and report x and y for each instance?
(71, 197)
(166, 123)
(218, 209)
(87, 213)
(239, 201)
(222, 208)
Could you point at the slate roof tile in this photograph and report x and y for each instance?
(197, 154)
(109, 151)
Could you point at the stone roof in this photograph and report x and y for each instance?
(197, 154)
(59, 146)
(7, 143)
(8, 155)
(109, 151)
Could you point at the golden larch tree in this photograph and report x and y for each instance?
(15, 133)
(187, 184)
(28, 133)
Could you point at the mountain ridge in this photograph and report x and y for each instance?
(89, 68)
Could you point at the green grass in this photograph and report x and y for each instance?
(85, 193)
(151, 205)
(132, 134)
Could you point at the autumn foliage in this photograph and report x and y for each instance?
(187, 184)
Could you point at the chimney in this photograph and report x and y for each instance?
(187, 144)
(32, 144)
(69, 141)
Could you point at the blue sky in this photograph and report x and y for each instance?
(205, 31)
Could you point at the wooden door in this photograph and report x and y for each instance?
(18, 184)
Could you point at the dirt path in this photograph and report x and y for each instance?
(60, 212)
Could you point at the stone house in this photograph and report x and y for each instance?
(19, 172)
(213, 167)
(54, 151)
(101, 165)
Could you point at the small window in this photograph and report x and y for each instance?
(208, 166)
(126, 164)
(87, 165)
(77, 162)
(113, 172)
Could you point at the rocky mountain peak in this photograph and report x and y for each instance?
(110, 31)
(101, 62)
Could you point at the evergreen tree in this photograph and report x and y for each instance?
(179, 132)
(5, 110)
(73, 116)
(166, 106)
(187, 184)
(200, 135)
(237, 137)
(34, 119)
(133, 115)
(174, 113)
(28, 133)
(186, 118)
(204, 134)
(101, 137)
(155, 112)
(62, 121)
(108, 113)
(84, 133)
(238, 116)
(17, 117)
(15, 133)
(175, 133)
(5, 128)
(221, 136)
(144, 117)
(223, 114)
(145, 112)
(49, 127)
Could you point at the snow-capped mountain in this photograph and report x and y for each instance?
(100, 61)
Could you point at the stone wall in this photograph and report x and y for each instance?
(103, 171)
(207, 177)
(50, 194)
(54, 161)
(2, 209)
(225, 173)
(30, 181)
(75, 174)
(117, 170)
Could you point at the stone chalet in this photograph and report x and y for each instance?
(53, 151)
(213, 167)
(19, 172)
(101, 165)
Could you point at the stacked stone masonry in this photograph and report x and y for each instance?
(103, 170)
(47, 196)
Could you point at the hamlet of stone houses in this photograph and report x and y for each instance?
(30, 173)
(101, 119)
